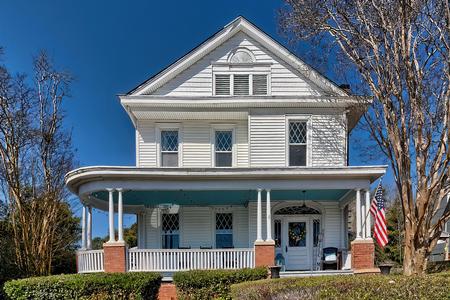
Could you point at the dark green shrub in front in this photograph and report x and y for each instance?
(435, 286)
(99, 286)
(213, 284)
(438, 266)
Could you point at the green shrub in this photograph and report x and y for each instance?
(439, 266)
(99, 286)
(347, 287)
(213, 284)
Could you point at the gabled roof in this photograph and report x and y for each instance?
(240, 24)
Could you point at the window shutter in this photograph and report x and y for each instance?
(259, 84)
(241, 85)
(222, 85)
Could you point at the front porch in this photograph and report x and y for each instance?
(226, 220)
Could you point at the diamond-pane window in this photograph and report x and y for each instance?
(170, 225)
(297, 143)
(224, 230)
(224, 140)
(224, 148)
(297, 132)
(169, 140)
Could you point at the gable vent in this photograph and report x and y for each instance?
(259, 84)
(241, 84)
(222, 85)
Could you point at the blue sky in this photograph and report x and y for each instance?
(110, 47)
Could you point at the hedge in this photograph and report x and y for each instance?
(434, 286)
(212, 284)
(98, 286)
(438, 266)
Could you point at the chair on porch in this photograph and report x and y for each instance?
(330, 258)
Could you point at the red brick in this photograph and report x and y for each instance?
(115, 257)
(167, 291)
(363, 254)
(264, 254)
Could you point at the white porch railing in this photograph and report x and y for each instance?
(172, 260)
(89, 261)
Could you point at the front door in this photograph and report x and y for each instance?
(296, 248)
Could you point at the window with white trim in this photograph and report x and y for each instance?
(223, 148)
(224, 230)
(169, 148)
(298, 143)
(170, 225)
(239, 84)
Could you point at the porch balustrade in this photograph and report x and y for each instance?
(172, 260)
(90, 261)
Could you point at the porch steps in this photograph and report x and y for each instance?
(287, 274)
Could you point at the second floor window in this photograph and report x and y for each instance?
(170, 225)
(223, 148)
(169, 148)
(297, 143)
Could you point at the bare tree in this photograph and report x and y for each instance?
(401, 50)
(35, 153)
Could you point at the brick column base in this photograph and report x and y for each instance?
(264, 254)
(115, 257)
(363, 257)
(167, 291)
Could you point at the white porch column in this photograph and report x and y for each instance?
(367, 212)
(83, 228)
(89, 227)
(363, 219)
(111, 216)
(258, 218)
(120, 216)
(358, 214)
(268, 217)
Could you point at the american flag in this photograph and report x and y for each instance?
(377, 209)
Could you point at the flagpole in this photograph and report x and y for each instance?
(368, 210)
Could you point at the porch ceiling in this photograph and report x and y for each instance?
(218, 197)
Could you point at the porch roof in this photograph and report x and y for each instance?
(208, 186)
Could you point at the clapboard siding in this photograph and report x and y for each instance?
(197, 226)
(268, 136)
(267, 140)
(196, 143)
(197, 79)
(146, 144)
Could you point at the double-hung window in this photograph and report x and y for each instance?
(224, 230)
(169, 148)
(223, 148)
(170, 225)
(298, 135)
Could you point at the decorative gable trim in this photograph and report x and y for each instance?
(237, 25)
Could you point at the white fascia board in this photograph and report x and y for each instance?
(85, 175)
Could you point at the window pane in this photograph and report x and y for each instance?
(297, 132)
(316, 232)
(259, 84)
(297, 234)
(224, 240)
(169, 140)
(297, 155)
(224, 221)
(224, 140)
(169, 159)
(241, 84)
(222, 85)
(277, 233)
(170, 222)
(170, 241)
(224, 159)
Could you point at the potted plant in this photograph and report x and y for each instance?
(385, 267)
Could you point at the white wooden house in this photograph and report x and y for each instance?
(241, 157)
